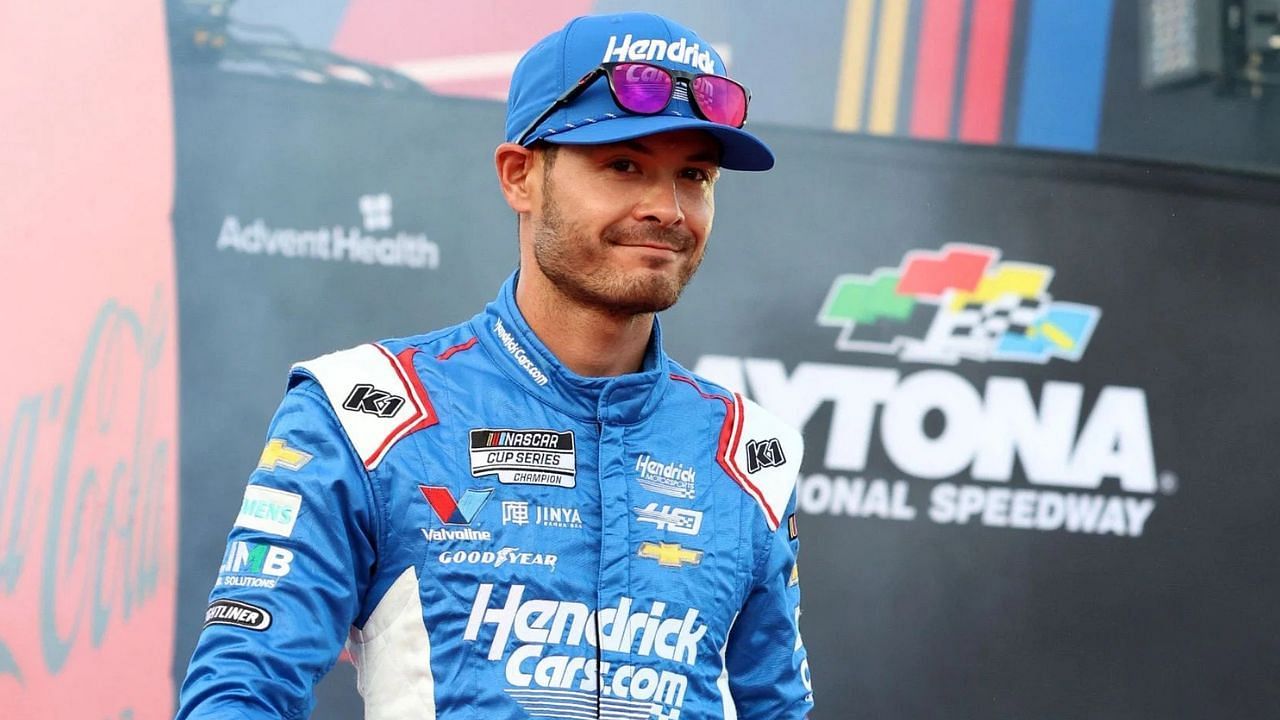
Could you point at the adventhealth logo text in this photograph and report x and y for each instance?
(335, 243)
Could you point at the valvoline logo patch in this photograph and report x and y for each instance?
(960, 302)
(451, 511)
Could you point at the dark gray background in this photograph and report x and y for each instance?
(902, 620)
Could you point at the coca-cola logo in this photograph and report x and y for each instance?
(88, 408)
(87, 504)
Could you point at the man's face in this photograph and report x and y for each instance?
(623, 227)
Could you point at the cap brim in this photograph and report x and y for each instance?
(741, 149)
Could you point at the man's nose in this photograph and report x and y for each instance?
(661, 204)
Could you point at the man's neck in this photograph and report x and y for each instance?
(587, 340)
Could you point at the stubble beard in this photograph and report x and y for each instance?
(571, 260)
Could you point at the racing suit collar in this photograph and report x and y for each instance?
(620, 400)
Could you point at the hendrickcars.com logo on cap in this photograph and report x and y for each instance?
(647, 49)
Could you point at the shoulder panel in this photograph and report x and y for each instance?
(763, 454)
(377, 396)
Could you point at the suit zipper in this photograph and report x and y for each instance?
(600, 565)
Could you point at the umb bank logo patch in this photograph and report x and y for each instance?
(524, 457)
(958, 303)
(1015, 450)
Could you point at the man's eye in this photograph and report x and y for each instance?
(622, 165)
(697, 174)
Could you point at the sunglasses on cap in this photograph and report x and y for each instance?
(647, 89)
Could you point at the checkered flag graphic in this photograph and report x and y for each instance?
(992, 320)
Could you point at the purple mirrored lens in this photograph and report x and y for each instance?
(720, 99)
(641, 88)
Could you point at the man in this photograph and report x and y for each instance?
(536, 513)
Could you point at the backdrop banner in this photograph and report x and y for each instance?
(1036, 390)
(88, 400)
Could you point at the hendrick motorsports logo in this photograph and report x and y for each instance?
(959, 303)
(999, 451)
(336, 243)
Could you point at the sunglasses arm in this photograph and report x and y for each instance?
(565, 98)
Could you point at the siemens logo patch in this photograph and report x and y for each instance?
(524, 457)
(269, 511)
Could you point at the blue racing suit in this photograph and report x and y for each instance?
(493, 537)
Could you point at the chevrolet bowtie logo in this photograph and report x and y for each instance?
(278, 453)
(670, 554)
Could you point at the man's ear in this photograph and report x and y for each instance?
(514, 164)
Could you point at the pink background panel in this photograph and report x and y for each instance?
(88, 401)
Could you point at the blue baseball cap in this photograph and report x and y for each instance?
(560, 59)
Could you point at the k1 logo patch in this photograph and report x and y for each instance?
(525, 457)
(366, 398)
(764, 453)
